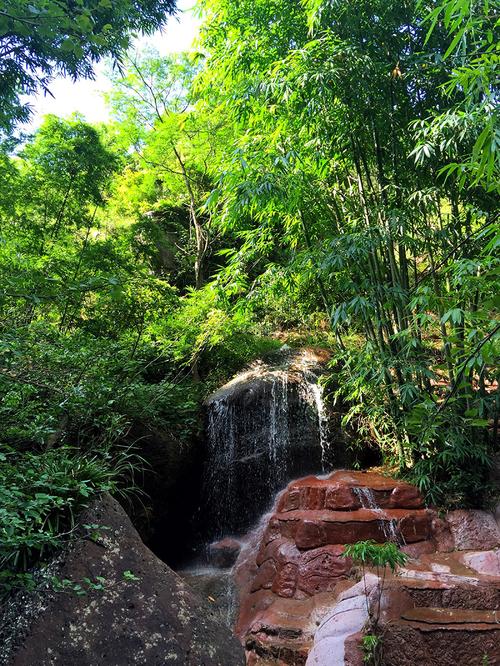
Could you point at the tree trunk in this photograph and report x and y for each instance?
(200, 235)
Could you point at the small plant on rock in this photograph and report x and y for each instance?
(377, 556)
(371, 648)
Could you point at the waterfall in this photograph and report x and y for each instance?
(389, 527)
(221, 435)
(279, 434)
(313, 393)
(264, 427)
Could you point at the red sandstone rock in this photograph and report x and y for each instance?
(265, 576)
(353, 652)
(289, 501)
(451, 616)
(415, 550)
(313, 498)
(337, 492)
(281, 550)
(341, 498)
(473, 530)
(311, 529)
(299, 560)
(441, 534)
(355, 531)
(405, 496)
(408, 643)
(319, 569)
(415, 526)
(484, 562)
(224, 553)
(310, 534)
(282, 633)
(285, 582)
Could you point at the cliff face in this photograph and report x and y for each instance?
(265, 427)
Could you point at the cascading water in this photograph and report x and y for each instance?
(279, 435)
(388, 526)
(313, 392)
(264, 427)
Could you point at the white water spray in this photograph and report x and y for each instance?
(263, 427)
(389, 526)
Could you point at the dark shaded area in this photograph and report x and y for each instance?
(167, 516)
(264, 430)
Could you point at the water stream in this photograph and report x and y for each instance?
(313, 392)
(388, 526)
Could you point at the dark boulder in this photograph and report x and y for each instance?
(266, 426)
(145, 613)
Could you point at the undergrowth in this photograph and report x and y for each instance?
(41, 496)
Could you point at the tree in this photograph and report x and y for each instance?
(45, 38)
(325, 99)
(61, 179)
(176, 138)
(468, 133)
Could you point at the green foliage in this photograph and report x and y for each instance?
(399, 254)
(378, 555)
(130, 576)
(468, 134)
(45, 38)
(318, 170)
(40, 495)
(79, 589)
(370, 644)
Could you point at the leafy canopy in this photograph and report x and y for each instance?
(45, 38)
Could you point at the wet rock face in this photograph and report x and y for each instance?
(300, 602)
(154, 618)
(265, 427)
(223, 554)
(300, 552)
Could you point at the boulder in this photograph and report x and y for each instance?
(486, 562)
(145, 613)
(224, 553)
(473, 530)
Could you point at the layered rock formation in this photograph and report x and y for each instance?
(293, 578)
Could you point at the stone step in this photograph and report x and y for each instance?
(265, 650)
(315, 528)
(451, 618)
(443, 637)
(446, 591)
(348, 491)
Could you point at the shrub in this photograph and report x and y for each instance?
(379, 556)
(41, 495)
